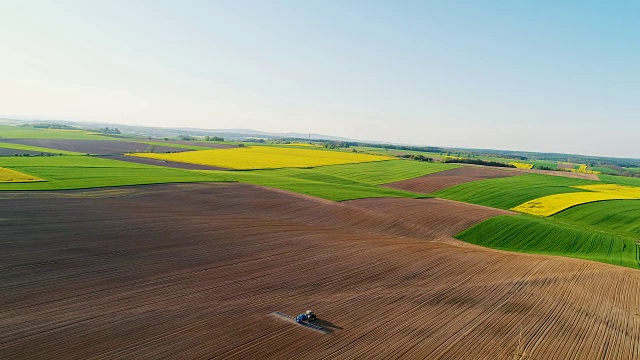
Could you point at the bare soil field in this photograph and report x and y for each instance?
(441, 180)
(560, 173)
(171, 164)
(97, 147)
(194, 270)
(565, 166)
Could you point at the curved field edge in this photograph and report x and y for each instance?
(617, 216)
(553, 204)
(534, 235)
(509, 192)
(84, 172)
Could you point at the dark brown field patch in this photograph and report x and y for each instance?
(95, 147)
(194, 270)
(441, 180)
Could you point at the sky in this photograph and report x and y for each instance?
(551, 76)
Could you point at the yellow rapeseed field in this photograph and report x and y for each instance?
(8, 175)
(264, 157)
(552, 204)
(520, 165)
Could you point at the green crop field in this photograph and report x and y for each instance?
(80, 172)
(620, 180)
(36, 148)
(312, 183)
(547, 164)
(17, 132)
(508, 192)
(383, 172)
(617, 216)
(535, 235)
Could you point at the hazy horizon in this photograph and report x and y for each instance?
(545, 77)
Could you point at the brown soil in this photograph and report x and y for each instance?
(171, 164)
(565, 166)
(561, 173)
(96, 147)
(441, 180)
(194, 270)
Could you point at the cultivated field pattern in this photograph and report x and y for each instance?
(193, 270)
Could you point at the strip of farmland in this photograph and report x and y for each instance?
(192, 271)
(96, 147)
(441, 180)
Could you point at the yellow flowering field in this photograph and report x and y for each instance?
(552, 204)
(8, 175)
(520, 165)
(264, 157)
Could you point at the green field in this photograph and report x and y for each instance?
(36, 148)
(508, 192)
(312, 183)
(17, 132)
(383, 172)
(536, 235)
(80, 172)
(621, 217)
(620, 180)
(547, 164)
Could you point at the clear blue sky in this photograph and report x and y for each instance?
(520, 75)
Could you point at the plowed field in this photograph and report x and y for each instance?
(441, 180)
(192, 271)
(96, 147)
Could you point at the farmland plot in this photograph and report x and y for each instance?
(126, 283)
(265, 157)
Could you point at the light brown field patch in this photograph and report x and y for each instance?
(565, 166)
(568, 174)
(441, 180)
(194, 270)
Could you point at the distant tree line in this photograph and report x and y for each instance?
(479, 162)
(417, 157)
(213, 138)
(50, 126)
(347, 144)
(107, 130)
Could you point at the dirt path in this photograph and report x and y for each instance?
(193, 270)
